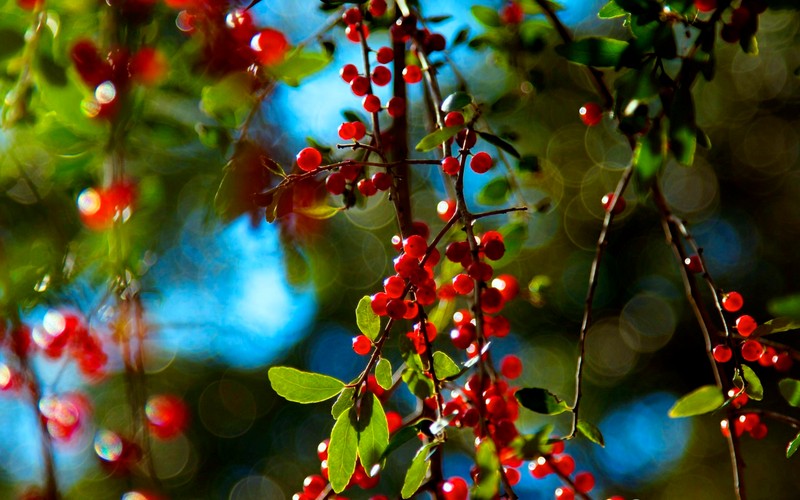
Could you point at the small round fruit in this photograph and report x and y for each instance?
(371, 103)
(412, 74)
(705, 5)
(481, 162)
(385, 55)
(751, 350)
(453, 119)
(608, 202)
(591, 114)
(732, 301)
(694, 264)
(309, 159)
(381, 76)
(362, 345)
(348, 72)
(746, 325)
(335, 183)
(511, 367)
(396, 107)
(446, 209)
(722, 353)
(367, 187)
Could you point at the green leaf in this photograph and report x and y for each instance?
(753, 386)
(320, 212)
(793, 446)
(702, 139)
(649, 155)
(489, 471)
(343, 450)
(373, 432)
(777, 325)
(487, 16)
(610, 11)
(344, 402)
(444, 366)
(437, 138)
(299, 65)
(790, 390)
(786, 306)
(703, 400)
(494, 192)
(591, 432)
(417, 471)
(11, 42)
(228, 100)
(499, 143)
(399, 438)
(383, 373)
(456, 101)
(303, 387)
(368, 322)
(541, 401)
(594, 51)
(419, 385)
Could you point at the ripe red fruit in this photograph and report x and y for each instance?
(167, 415)
(463, 284)
(362, 345)
(270, 46)
(491, 300)
(564, 493)
(352, 16)
(463, 336)
(584, 482)
(705, 5)
(450, 165)
(371, 103)
(348, 72)
(494, 249)
(608, 201)
(454, 488)
(453, 119)
(415, 246)
(565, 464)
(309, 159)
(746, 325)
(481, 162)
(382, 181)
(396, 308)
(446, 209)
(412, 74)
(591, 114)
(347, 131)
(456, 251)
(694, 264)
(508, 286)
(322, 449)
(385, 55)
(359, 85)
(466, 138)
(378, 303)
(480, 271)
(782, 361)
(381, 76)
(90, 66)
(148, 66)
(353, 33)
(396, 107)
(512, 13)
(732, 301)
(367, 187)
(751, 350)
(722, 353)
(511, 366)
(759, 431)
(377, 7)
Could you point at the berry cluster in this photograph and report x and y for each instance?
(558, 462)
(62, 331)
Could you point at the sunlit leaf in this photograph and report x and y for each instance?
(383, 373)
(494, 192)
(373, 431)
(303, 387)
(299, 65)
(444, 366)
(793, 445)
(437, 138)
(611, 10)
(541, 401)
(417, 471)
(343, 450)
(456, 101)
(703, 400)
(489, 471)
(344, 402)
(790, 390)
(368, 322)
(591, 432)
(487, 16)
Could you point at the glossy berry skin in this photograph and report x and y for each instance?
(351, 16)
(348, 72)
(396, 107)
(512, 13)
(782, 362)
(511, 367)
(270, 46)
(446, 209)
(415, 246)
(353, 33)
(732, 301)
(466, 139)
(453, 119)
(507, 285)
(385, 55)
(705, 5)
(382, 181)
(359, 85)
(454, 488)
(377, 7)
(335, 183)
(722, 353)
(412, 74)
(591, 114)
(367, 187)
(309, 159)
(746, 325)
(463, 284)
(564, 493)
(450, 165)
(694, 264)
(362, 345)
(584, 482)
(751, 350)
(381, 76)
(347, 131)
(167, 415)
(608, 201)
(481, 163)
(371, 103)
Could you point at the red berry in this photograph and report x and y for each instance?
(508, 286)
(512, 475)
(415, 246)
(361, 131)
(382, 181)
(377, 7)
(694, 264)
(385, 55)
(362, 345)
(591, 113)
(511, 366)
(396, 107)
(480, 271)
(367, 187)
(371, 103)
(584, 482)
(360, 85)
(396, 308)
(314, 484)
(322, 449)
(348, 72)
(352, 16)
(494, 249)
(381, 76)
(148, 66)
(463, 284)
(732, 301)
(347, 131)
(394, 286)
(454, 488)
(608, 201)
(446, 209)
(491, 300)
(456, 251)
(782, 361)
(705, 5)
(759, 431)
(463, 336)
(379, 302)
(722, 353)
(167, 415)
(746, 325)
(353, 33)
(450, 165)
(309, 159)
(412, 74)
(350, 170)
(564, 463)
(466, 138)
(335, 183)
(453, 119)
(751, 350)
(435, 42)
(564, 493)
(766, 357)
(270, 45)
(512, 13)
(481, 162)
